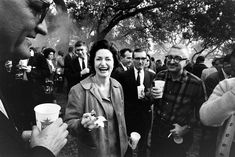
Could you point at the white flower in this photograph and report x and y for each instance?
(100, 121)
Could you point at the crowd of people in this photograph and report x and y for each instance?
(120, 87)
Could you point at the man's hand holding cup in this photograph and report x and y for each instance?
(157, 90)
(50, 131)
(53, 137)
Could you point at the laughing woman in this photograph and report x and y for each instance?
(96, 96)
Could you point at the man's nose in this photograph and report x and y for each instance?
(41, 28)
(172, 61)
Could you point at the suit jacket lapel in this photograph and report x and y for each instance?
(95, 92)
(132, 77)
(7, 124)
(76, 65)
(115, 97)
(146, 79)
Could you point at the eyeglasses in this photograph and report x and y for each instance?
(79, 49)
(177, 59)
(40, 8)
(140, 58)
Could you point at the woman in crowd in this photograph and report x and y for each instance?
(49, 80)
(98, 95)
(148, 64)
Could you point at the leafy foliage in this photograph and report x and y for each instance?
(135, 21)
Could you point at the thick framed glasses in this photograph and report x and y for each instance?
(177, 59)
(40, 8)
(140, 58)
(45, 8)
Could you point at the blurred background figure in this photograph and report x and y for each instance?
(48, 86)
(199, 66)
(216, 65)
(59, 73)
(152, 63)
(160, 66)
(148, 64)
(67, 66)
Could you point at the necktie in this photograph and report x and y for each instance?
(83, 64)
(138, 78)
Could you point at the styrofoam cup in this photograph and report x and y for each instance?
(46, 114)
(135, 137)
(140, 90)
(159, 84)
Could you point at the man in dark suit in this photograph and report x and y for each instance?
(78, 69)
(125, 61)
(68, 65)
(14, 42)
(137, 107)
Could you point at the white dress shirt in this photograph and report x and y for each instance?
(80, 62)
(141, 75)
(125, 68)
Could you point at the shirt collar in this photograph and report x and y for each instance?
(182, 78)
(136, 71)
(141, 75)
(124, 67)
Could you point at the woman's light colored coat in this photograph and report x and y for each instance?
(84, 97)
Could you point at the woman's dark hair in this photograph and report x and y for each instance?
(70, 49)
(47, 51)
(103, 44)
(61, 53)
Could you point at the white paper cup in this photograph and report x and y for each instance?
(46, 114)
(140, 90)
(159, 84)
(135, 137)
(178, 139)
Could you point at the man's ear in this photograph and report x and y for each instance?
(186, 63)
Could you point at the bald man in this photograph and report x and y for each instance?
(174, 112)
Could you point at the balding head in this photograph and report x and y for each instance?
(180, 50)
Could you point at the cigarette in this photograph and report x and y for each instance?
(169, 135)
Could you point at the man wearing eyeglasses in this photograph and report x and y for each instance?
(19, 21)
(176, 112)
(136, 83)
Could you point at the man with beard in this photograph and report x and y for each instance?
(176, 112)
